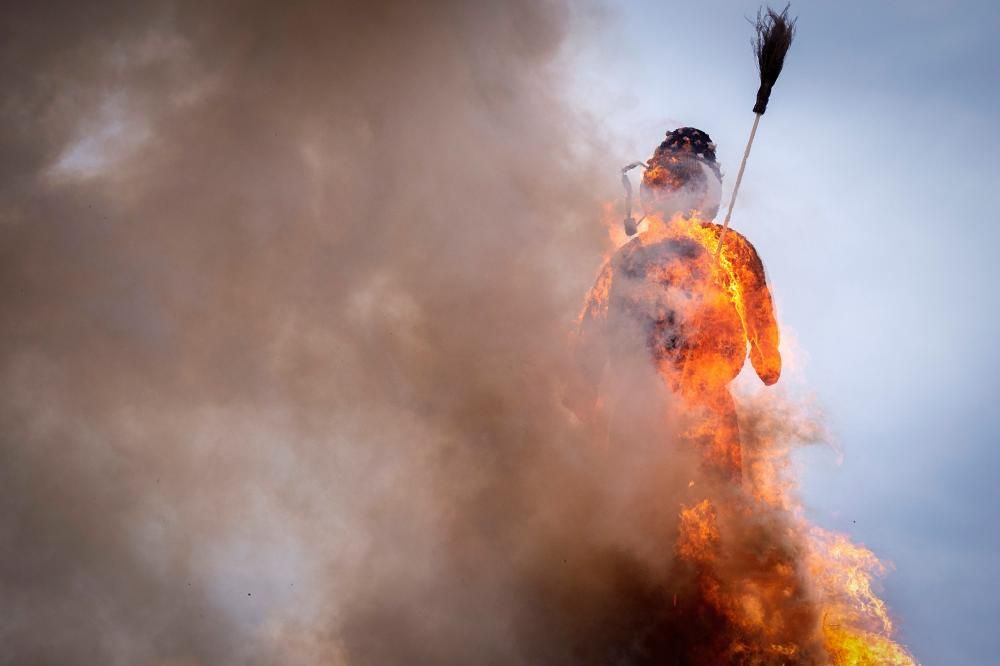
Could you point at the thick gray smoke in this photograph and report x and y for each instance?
(287, 292)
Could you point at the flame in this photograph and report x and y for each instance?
(809, 592)
(856, 625)
(699, 532)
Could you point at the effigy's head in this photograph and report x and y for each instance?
(683, 176)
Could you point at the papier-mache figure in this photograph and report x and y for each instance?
(694, 308)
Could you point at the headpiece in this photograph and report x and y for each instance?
(679, 161)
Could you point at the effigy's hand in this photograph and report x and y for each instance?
(767, 366)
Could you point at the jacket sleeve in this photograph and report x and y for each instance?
(758, 308)
(590, 348)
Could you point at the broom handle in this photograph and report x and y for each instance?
(739, 179)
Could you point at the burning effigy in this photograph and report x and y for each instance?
(695, 314)
(261, 407)
(752, 581)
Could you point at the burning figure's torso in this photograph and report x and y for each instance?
(695, 314)
(690, 325)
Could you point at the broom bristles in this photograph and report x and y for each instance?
(775, 32)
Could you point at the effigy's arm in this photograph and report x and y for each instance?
(590, 347)
(758, 308)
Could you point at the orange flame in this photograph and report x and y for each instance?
(701, 317)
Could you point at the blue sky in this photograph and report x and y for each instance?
(871, 196)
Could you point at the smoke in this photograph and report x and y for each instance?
(288, 292)
(286, 296)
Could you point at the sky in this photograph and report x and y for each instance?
(870, 196)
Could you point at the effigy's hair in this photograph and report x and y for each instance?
(676, 154)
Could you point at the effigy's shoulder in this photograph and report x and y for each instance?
(738, 247)
(596, 305)
(733, 239)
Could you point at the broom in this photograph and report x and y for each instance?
(774, 36)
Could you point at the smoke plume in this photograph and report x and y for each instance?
(288, 290)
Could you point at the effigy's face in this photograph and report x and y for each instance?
(680, 185)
